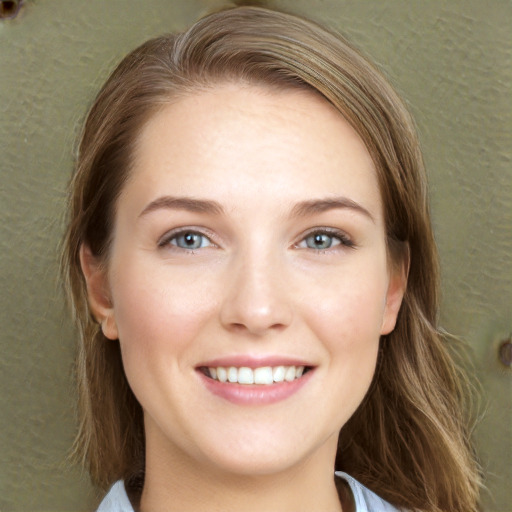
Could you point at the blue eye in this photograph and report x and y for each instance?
(190, 240)
(323, 240)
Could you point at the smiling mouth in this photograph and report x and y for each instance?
(263, 376)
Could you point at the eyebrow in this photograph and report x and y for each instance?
(311, 207)
(302, 209)
(189, 204)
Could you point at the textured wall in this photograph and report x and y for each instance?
(451, 60)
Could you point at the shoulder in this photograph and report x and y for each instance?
(366, 500)
(116, 500)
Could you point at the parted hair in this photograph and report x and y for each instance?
(408, 441)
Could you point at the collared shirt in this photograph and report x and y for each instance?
(365, 500)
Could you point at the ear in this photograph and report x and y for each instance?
(396, 290)
(98, 292)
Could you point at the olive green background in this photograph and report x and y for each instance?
(452, 61)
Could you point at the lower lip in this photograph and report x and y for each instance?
(247, 394)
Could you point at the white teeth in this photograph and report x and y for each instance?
(265, 375)
(245, 375)
(290, 374)
(222, 375)
(278, 373)
(232, 374)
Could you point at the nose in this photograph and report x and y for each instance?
(256, 300)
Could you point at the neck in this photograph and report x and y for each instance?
(175, 484)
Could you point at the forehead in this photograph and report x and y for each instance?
(236, 140)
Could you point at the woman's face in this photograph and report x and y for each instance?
(248, 246)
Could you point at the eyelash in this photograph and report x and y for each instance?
(344, 240)
(166, 240)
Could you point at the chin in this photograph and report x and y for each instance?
(260, 455)
(255, 463)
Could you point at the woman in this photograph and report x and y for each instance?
(254, 276)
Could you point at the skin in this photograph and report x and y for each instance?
(257, 286)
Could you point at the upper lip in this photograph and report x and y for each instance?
(254, 361)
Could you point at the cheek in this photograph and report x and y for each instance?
(350, 330)
(350, 336)
(347, 319)
(157, 315)
(349, 310)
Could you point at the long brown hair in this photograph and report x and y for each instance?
(408, 441)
